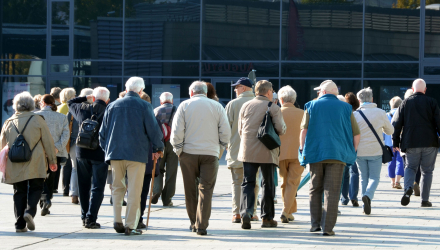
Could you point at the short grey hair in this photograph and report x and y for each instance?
(365, 95)
(395, 102)
(135, 84)
(262, 87)
(287, 94)
(101, 93)
(23, 102)
(166, 97)
(198, 87)
(67, 94)
(86, 92)
(408, 93)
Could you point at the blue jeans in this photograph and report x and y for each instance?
(369, 167)
(97, 172)
(350, 184)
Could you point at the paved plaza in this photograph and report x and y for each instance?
(389, 226)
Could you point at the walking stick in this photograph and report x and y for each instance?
(151, 190)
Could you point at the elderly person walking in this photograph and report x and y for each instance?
(243, 90)
(127, 129)
(416, 128)
(323, 119)
(59, 129)
(27, 178)
(369, 153)
(91, 163)
(396, 168)
(290, 169)
(255, 155)
(199, 128)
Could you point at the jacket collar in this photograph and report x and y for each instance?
(260, 97)
(199, 95)
(288, 104)
(101, 102)
(18, 115)
(132, 94)
(418, 93)
(47, 108)
(247, 94)
(167, 104)
(368, 105)
(328, 96)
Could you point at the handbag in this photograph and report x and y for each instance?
(266, 132)
(387, 152)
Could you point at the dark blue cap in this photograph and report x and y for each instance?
(243, 81)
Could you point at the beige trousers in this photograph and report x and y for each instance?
(237, 179)
(135, 173)
(290, 171)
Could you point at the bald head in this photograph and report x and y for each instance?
(419, 85)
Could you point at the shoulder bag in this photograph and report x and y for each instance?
(266, 132)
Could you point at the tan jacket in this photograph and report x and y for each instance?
(290, 140)
(36, 129)
(251, 116)
(233, 111)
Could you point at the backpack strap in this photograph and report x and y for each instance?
(23, 131)
(96, 117)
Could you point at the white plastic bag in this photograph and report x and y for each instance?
(4, 161)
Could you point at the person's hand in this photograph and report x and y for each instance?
(89, 97)
(157, 155)
(396, 149)
(53, 167)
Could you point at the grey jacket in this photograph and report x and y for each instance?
(58, 128)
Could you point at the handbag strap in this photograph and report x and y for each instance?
(371, 127)
(268, 106)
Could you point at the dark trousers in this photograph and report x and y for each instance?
(26, 196)
(97, 172)
(248, 189)
(48, 185)
(350, 184)
(144, 195)
(168, 168)
(67, 173)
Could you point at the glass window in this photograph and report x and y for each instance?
(392, 30)
(305, 92)
(168, 30)
(241, 30)
(24, 29)
(59, 82)
(352, 70)
(322, 30)
(179, 87)
(391, 70)
(161, 69)
(60, 17)
(384, 91)
(13, 85)
(431, 70)
(239, 69)
(432, 28)
(23, 67)
(96, 68)
(98, 29)
(114, 85)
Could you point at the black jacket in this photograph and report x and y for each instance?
(80, 109)
(419, 117)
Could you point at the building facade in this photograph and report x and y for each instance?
(384, 44)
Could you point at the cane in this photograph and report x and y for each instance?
(152, 186)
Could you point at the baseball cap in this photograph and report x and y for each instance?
(243, 81)
(327, 85)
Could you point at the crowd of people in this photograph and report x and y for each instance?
(93, 140)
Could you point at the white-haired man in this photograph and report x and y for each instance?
(90, 162)
(169, 164)
(199, 128)
(327, 153)
(127, 129)
(419, 118)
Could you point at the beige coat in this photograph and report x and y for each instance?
(290, 140)
(233, 111)
(251, 116)
(36, 129)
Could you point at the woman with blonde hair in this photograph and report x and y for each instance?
(66, 94)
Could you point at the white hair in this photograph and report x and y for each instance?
(419, 85)
(135, 84)
(101, 93)
(166, 97)
(23, 102)
(365, 95)
(408, 93)
(67, 94)
(341, 98)
(395, 102)
(198, 87)
(287, 94)
(86, 92)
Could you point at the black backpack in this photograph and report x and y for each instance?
(20, 150)
(88, 136)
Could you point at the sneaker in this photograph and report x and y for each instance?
(21, 230)
(246, 222)
(416, 189)
(155, 198)
(92, 225)
(119, 227)
(141, 225)
(284, 218)
(268, 223)
(129, 231)
(202, 232)
(367, 204)
(355, 203)
(424, 204)
(236, 218)
(31, 224)
(406, 197)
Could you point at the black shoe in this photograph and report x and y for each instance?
(119, 227)
(246, 221)
(367, 204)
(406, 197)
(355, 203)
(315, 229)
(111, 200)
(84, 223)
(141, 225)
(192, 228)
(426, 204)
(155, 198)
(45, 207)
(55, 191)
(92, 225)
(124, 203)
(202, 232)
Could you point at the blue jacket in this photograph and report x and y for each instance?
(128, 127)
(387, 138)
(329, 133)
